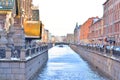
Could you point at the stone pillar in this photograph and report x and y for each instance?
(111, 51)
(35, 50)
(39, 49)
(10, 37)
(29, 51)
(104, 49)
(19, 38)
(8, 53)
(3, 39)
(22, 54)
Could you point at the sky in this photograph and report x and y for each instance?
(60, 16)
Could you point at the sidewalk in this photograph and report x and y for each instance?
(83, 50)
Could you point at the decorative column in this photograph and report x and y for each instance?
(8, 53)
(22, 55)
(19, 38)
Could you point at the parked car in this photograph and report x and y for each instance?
(101, 48)
(116, 50)
(108, 48)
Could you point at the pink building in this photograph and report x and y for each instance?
(111, 20)
(96, 32)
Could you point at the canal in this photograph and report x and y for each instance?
(65, 64)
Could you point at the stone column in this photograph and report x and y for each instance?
(35, 50)
(10, 37)
(22, 54)
(29, 51)
(3, 40)
(19, 38)
(8, 53)
(111, 51)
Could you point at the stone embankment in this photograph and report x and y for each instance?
(26, 65)
(107, 65)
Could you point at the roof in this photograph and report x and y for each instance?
(106, 2)
(95, 20)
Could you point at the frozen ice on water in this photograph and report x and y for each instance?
(65, 64)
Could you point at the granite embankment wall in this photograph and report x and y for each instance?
(107, 65)
(22, 69)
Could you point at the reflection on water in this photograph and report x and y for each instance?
(65, 64)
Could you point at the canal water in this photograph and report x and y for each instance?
(65, 64)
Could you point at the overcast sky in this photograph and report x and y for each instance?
(60, 16)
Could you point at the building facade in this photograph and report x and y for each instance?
(53, 39)
(70, 38)
(84, 30)
(77, 33)
(111, 20)
(23, 12)
(17, 15)
(45, 37)
(96, 32)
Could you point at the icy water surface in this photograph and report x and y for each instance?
(65, 64)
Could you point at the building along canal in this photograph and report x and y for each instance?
(65, 64)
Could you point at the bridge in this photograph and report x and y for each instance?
(61, 43)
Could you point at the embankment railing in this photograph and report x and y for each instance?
(21, 54)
